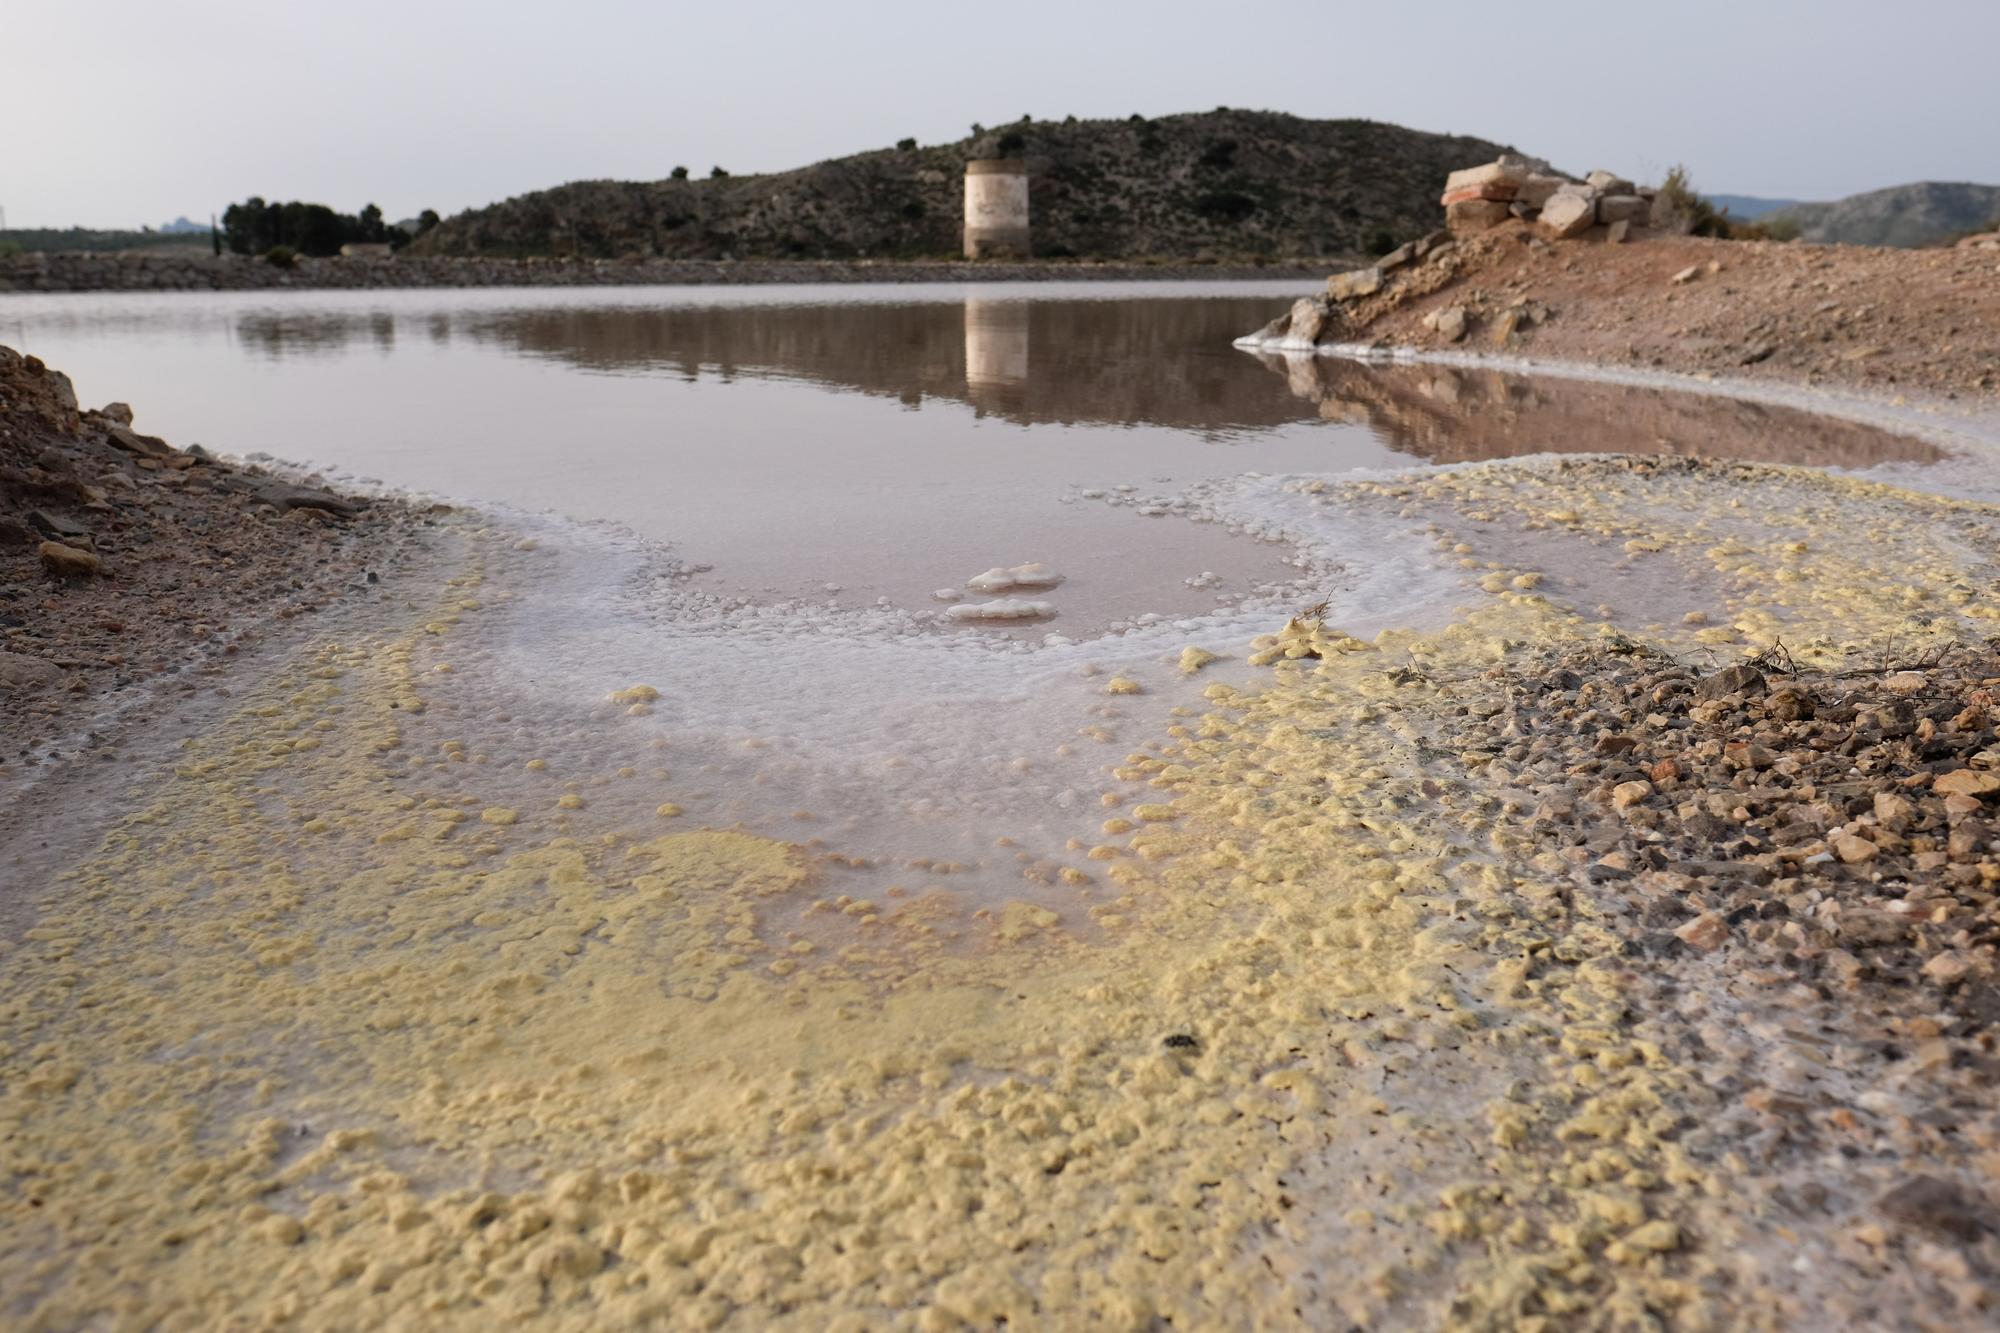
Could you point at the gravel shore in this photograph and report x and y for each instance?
(124, 560)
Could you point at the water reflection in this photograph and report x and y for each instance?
(1127, 363)
(1125, 357)
(997, 338)
(1445, 414)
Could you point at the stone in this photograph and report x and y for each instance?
(1788, 703)
(1431, 241)
(20, 673)
(1707, 932)
(1606, 182)
(1616, 233)
(56, 527)
(69, 562)
(1853, 849)
(1308, 319)
(1623, 208)
(146, 446)
(1893, 811)
(1566, 215)
(118, 412)
(1948, 968)
(16, 533)
(1475, 215)
(1937, 1205)
(1353, 285)
(1397, 257)
(1501, 193)
(284, 496)
(1505, 172)
(1536, 191)
(1738, 679)
(1965, 782)
(1628, 794)
(1504, 327)
(1688, 274)
(1451, 323)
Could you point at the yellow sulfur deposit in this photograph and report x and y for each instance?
(1324, 1038)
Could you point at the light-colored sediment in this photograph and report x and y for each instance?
(337, 1028)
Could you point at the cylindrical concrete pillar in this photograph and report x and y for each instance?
(996, 208)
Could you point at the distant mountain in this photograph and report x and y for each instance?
(1906, 215)
(182, 227)
(1223, 183)
(1747, 207)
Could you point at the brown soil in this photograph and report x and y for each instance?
(1895, 321)
(123, 559)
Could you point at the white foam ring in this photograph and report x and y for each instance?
(902, 736)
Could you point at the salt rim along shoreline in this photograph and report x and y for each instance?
(1358, 1021)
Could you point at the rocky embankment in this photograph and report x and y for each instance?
(124, 559)
(85, 272)
(1584, 277)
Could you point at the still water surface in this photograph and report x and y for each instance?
(851, 445)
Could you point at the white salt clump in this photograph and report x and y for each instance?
(1005, 578)
(946, 594)
(1005, 608)
(1208, 578)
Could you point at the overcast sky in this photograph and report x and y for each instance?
(122, 112)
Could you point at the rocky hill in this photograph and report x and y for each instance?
(1216, 184)
(1908, 215)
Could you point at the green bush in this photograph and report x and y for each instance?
(9, 248)
(281, 256)
(679, 173)
(906, 145)
(1679, 208)
(717, 174)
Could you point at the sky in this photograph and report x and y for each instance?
(123, 112)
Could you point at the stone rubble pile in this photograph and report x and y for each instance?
(1513, 187)
(1477, 199)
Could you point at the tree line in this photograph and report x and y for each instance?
(254, 227)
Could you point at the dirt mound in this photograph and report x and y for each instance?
(123, 558)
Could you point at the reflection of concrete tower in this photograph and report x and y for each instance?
(996, 352)
(996, 208)
(996, 342)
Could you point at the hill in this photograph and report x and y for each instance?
(1907, 215)
(1219, 183)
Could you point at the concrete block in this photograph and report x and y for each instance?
(1503, 172)
(1568, 214)
(1475, 214)
(1623, 208)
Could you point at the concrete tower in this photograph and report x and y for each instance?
(996, 208)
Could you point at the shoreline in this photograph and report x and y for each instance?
(71, 271)
(1957, 425)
